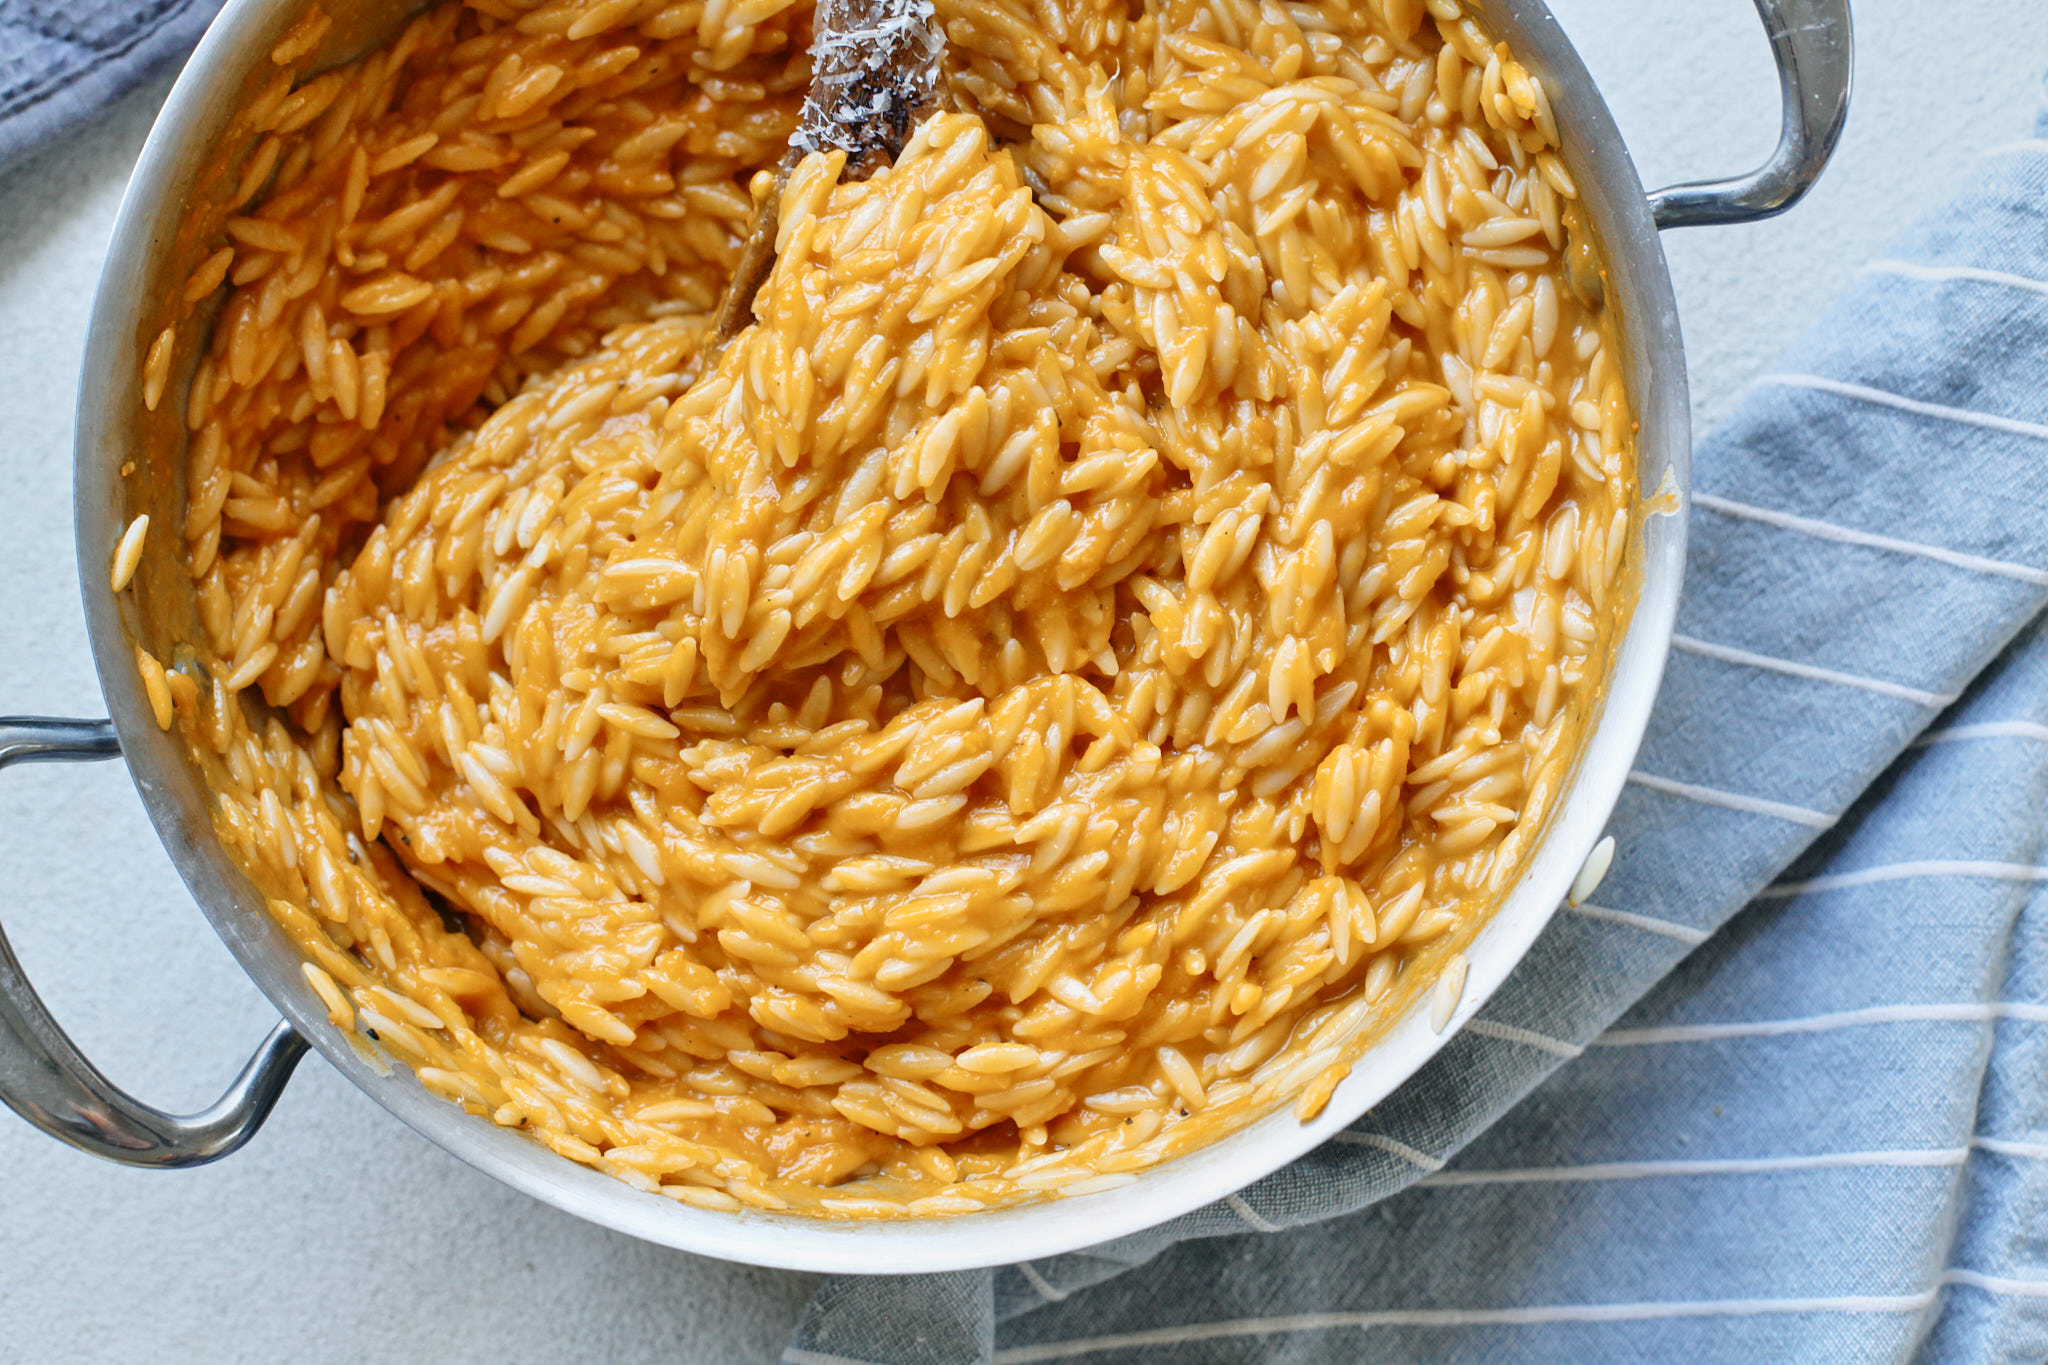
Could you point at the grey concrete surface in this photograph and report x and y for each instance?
(338, 1235)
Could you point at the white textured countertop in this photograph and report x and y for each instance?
(339, 1235)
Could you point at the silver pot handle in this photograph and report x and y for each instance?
(1815, 51)
(47, 1080)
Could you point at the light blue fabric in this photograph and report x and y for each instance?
(1810, 1121)
(62, 61)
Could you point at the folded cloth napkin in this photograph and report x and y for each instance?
(1782, 1093)
(1813, 1129)
(62, 61)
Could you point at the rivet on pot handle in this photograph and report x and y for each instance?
(1815, 50)
(43, 1076)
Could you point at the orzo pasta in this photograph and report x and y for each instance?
(1042, 695)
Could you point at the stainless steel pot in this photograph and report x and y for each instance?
(45, 1079)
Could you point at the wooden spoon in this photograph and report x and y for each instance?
(874, 75)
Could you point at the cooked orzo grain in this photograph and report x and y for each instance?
(1042, 696)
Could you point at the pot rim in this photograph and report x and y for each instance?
(179, 805)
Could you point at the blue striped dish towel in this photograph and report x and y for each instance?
(62, 61)
(1782, 1093)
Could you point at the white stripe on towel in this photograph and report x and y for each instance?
(1913, 270)
(1393, 1147)
(1536, 1315)
(2033, 1151)
(1595, 1172)
(1997, 1284)
(1037, 1281)
(1972, 1012)
(1846, 535)
(1684, 933)
(1713, 796)
(1250, 1214)
(1772, 664)
(1863, 393)
(1509, 1033)
(1990, 729)
(1533, 1316)
(1899, 872)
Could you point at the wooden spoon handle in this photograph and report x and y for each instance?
(874, 75)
